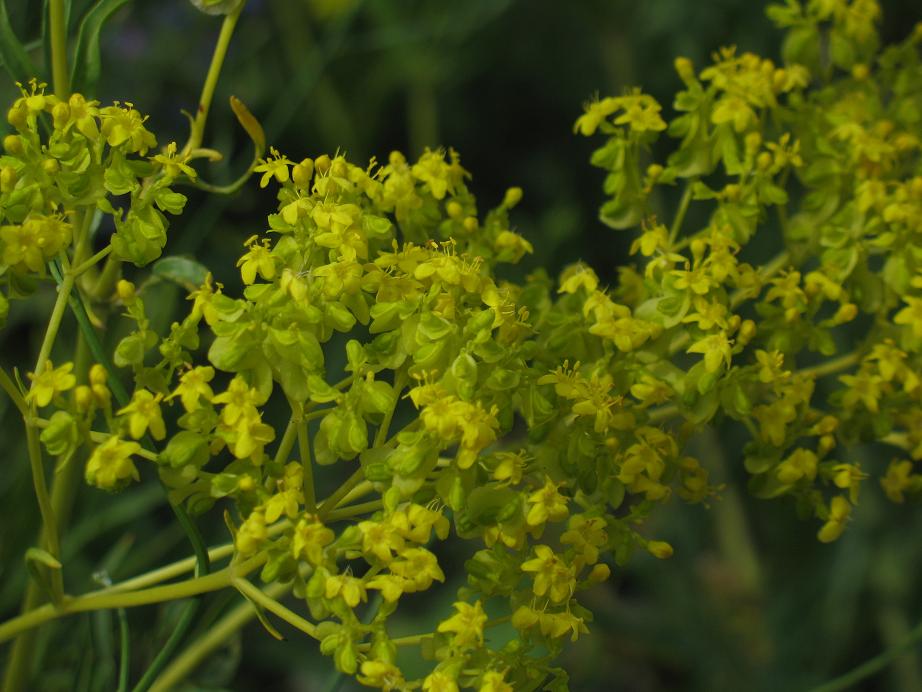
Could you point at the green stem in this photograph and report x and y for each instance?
(106, 600)
(197, 132)
(49, 523)
(60, 75)
(355, 510)
(878, 663)
(179, 567)
(260, 598)
(287, 442)
(830, 367)
(54, 323)
(124, 651)
(334, 499)
(775, 265)
(186, 662)
(8, 386)
(91, 262)
(400, 381)
(304, 451)
(680, 213)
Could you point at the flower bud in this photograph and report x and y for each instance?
(513, 196)
(102, 395)
(246, 484)
(12, 144)
(301, 174)
(83, 398)
(698, 248)
(60, 114)
(654, 171)
(753, 142)
(322, 164)
(17, 117)
(125, 290)
(471, 224)
(599, 573)
(7, 178)
(846, 313)
(454, 209)
(685, 69)
(98, 374)
(659, 549)
(860, 72)
(764, 161)
(338, 168)
(51, 166)
(747, 332)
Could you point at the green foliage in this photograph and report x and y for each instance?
(542, 423)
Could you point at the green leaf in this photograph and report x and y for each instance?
(249, 123)
(42, 557)
(183, 271)
(15, 59)
(186, 448)
(87, 59)
(216, 6)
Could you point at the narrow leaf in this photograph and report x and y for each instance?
(86, 56)
(15, 59)
(250, 124)
(181, 270)
(43, 557)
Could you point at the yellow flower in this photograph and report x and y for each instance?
(250, 436)
(596, 112)
(110, 465)
(586, 535)
(49, 382)
(897, 480)
(911, 315)
(849, 477)
(467, 624)
(716, 349)
(800, 464)
(547, 504)
(258, 260)
(419, 568)
(771, 363)
(193, 386)
(494, 681)
(309, 539)
(275, 166)
(439, 681)
(839, 511)
(351, 589)
(145, 413)
(863, 387)
(252, 533)
(203, 298)
(390, 586)
(380, 674)
(124, 125)
(239, 401)
(173, 167)
(552, 575)
(578, 276)
(380, 540)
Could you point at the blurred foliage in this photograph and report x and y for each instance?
(749, 601)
